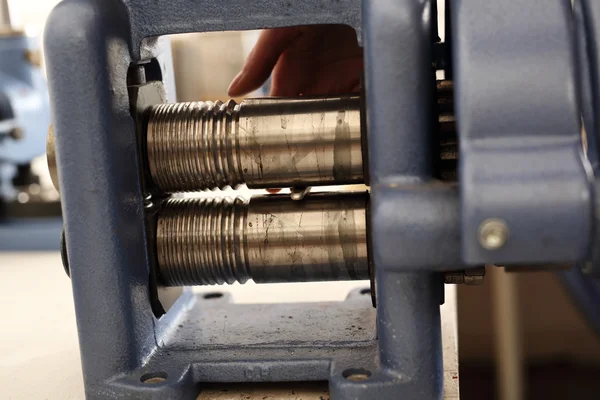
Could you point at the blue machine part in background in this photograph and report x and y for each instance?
(24, 104)
(28, 220)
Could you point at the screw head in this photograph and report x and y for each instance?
(493, 234)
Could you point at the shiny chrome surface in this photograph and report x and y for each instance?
(265, 143)
(270, 239)
(51, 157)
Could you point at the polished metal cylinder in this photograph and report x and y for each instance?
(264, 143)
(269, 239)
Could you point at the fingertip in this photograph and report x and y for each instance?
(262, 59)
(236, 85)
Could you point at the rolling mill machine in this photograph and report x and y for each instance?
(494, 164)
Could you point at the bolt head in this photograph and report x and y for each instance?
(493, 234)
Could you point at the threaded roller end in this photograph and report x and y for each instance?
(201, 242)
(193, 146)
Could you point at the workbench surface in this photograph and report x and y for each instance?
(38, 340)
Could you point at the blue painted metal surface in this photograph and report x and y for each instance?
(587, 14)
(519, 123)
(400, 86)
(90, 45)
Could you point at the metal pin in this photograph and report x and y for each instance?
(299, 193)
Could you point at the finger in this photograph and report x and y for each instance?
(273, 191)
(261, 60)
(289, 77)
(339, 77)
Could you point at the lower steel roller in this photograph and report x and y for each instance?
(269, 239)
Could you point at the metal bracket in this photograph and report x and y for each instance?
(522, 162)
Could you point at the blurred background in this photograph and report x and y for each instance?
(520, 335)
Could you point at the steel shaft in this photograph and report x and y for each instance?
(269, 142)
(269, 239)
(260, 142)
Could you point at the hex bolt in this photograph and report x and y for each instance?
(493, 234)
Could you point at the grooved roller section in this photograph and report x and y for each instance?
(270, 239)
(260, 142)
(200, 242)
(190, 146)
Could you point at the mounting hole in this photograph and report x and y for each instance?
(154, 377)
(213, 295)
(365, 291)
(356, 374)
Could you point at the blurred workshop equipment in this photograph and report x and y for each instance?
(29, 205)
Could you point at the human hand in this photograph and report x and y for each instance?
(306, 60)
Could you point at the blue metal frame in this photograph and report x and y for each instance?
(517, 163)
(518, 114)
(587, 16)
(90, 46)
